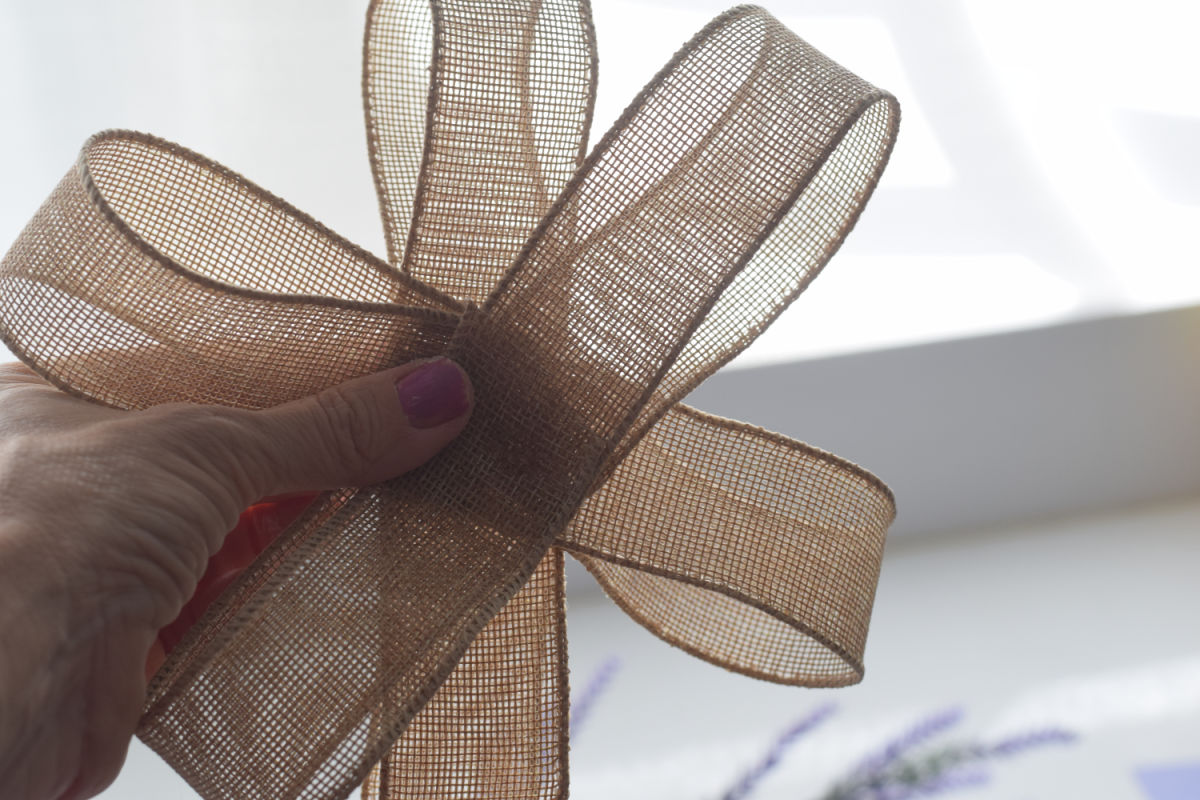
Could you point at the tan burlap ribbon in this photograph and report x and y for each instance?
(421, 622)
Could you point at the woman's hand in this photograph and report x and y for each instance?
(108, 519)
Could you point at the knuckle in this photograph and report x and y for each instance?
(201, 431)
(209, 446)
(350, 431)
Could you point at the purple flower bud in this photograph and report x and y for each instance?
(920, 733)
(1025, 741)
(753, 776)
(593, 689)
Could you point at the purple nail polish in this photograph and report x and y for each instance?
(433, 394)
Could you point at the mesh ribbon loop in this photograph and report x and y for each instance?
(418, 625)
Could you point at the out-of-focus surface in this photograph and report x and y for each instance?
(1085, 623)
(977, 432)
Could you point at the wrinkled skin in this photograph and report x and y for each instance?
(109, 518)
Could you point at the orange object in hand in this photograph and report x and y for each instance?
(257, 527)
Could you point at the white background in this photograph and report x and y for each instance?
(1044, 567)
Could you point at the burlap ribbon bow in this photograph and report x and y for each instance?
(608, 288)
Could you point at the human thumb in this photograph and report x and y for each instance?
(360, 432)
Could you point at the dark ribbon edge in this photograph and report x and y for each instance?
(505, 593)
(868, 479)
(450, 315)
(855, 664)
(688, 48)
(444, 303)
(625, 445)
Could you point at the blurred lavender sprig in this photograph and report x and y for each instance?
(944, 770)
(893, 775)
(1013, 745)
(784, 741)
(961, 778)
(908, 741)
(596, 685)
(893, 772)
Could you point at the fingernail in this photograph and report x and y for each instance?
(433, 394)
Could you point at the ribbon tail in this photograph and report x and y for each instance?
(497, 726)
(742, 547)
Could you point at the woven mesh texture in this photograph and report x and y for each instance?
(411, 634)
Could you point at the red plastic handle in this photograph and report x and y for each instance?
(258, 526)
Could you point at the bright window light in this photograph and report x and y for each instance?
(873, 302)
(1044, 171)
(1047, 166)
